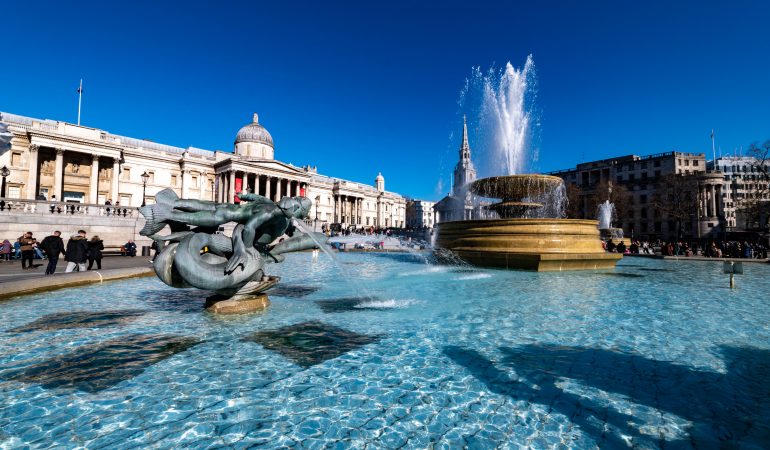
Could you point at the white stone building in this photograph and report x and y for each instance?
(420, 214)
(59, 161)
(741, 180)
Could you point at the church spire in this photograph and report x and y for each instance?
(465, 145)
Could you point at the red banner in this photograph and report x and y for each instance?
(302, 192)
(238, 188)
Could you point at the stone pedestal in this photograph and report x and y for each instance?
(238, 304)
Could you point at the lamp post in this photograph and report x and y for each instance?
(317, 202)
(5, 171)
(145, 177)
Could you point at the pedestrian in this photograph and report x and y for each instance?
(27, 244)
(95, 247)
(130, 248)
(53, 246)
(17, 250)
(77, 252)
(5, 250)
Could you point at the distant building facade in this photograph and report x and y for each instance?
(742, 180)
(420, 214)
(58, 161)
(641, 175)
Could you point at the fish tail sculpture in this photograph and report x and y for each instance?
(156, 215)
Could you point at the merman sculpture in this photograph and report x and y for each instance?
(231, 267)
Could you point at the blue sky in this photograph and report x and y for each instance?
(361, 87)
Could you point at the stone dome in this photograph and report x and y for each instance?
(254, 132)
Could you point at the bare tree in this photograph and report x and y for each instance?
(676, 197)
(756, 186)
(616, 194)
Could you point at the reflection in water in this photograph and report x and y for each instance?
(101, 366)
(79, 319)
(310, 343)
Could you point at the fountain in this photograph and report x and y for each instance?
(606, 213)
(525, 228)
(231, 267)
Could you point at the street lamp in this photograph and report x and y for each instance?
(317, 202)
(145, 177)
(5, 171)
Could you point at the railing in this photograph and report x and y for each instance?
(45, 208)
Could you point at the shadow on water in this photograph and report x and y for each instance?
(177, 300)
(97, 367)
(310, 343)
(345, 304)
(79, 319)
(404, 257)
(292, 290)
(729, 410)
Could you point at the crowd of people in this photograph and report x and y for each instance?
(710, 249)
(78, 251)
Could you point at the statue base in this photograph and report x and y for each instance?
(237, 304)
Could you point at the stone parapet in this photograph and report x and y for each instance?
(35, 285)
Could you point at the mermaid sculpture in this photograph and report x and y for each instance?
(202, 258)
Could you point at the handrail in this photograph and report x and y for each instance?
(43, 208)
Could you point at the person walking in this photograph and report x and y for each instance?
(77, 252)
(27, 244)
(53, 246)
(95, 247)
(5, 250)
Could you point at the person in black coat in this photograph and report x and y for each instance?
(53, 246)
(95, 247)
(77, 252)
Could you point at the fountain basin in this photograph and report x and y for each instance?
(528, 244)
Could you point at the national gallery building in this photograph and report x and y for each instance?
(54, 161)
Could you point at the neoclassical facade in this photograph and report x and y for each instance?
(59, 161)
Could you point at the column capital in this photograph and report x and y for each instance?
(94, 157)
(33, 148)
(59, 151)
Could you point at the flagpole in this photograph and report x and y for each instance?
(80, 98)
(713, 150)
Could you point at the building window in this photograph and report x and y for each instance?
(656, 164)
(126, 175)
(686, 162)
(16, 160)
(151, 180)
(195, 182)
(695, 163)
(173, 180)
(14, 192)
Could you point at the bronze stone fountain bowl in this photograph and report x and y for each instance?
(541, 244)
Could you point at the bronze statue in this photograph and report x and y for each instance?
(202, 258)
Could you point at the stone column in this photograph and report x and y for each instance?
(713, 190)
(702, 201)
(203, 179)
(114, 190)
(720, 201)
(231, 187)
(268, 190)
(32, 178)
(93, 192)
(185, 182)
(58, 175)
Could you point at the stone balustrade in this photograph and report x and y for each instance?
(48, 208)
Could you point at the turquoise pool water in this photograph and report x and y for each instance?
(654, 354)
